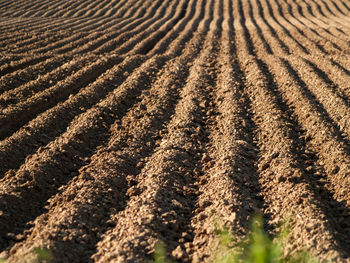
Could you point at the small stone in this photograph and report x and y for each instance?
(275, 155)
(203, 180)
(178, 253)
(264, 166)
(232, 217)
(309, 169)
(335, 169)
(205, 158)
(133, 191)
(19, 237)
(202, 104)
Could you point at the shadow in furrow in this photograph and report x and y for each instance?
(247, 36)
(345, 70)
(332, 86)
(285, 30)
(339, 9)
(48, 98)
(323, 114)
(250, 187)
(11, 68)
(337, 212)
(252, 18)
(161, 33)
(346, 5)
(54, 122)
(271, 29)
(301, 13)
(36, 186)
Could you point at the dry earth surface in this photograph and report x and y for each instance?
(125, 122)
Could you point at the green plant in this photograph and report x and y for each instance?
(41, 255)
(257, 246)
(160, 254)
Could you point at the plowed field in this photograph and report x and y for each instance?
(125, 122)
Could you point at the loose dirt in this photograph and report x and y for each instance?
(124, 123)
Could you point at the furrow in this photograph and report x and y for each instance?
(26, 41)
(40, 131)
(305, 32)
(124, 11)
(164, 183)
(251, 24)
(280, 174)
(324, 135)
(45, 41)
(126, 35)
(105, 10)
(274, 28)
(21, 64)
(295, 37)
(319, 19)
(328, 13)
(24, 24)
(192, 30)
(20, 77)
(152, 22)
(228, 182)
(146, 46)
(28, 11)
(39, 50)
(66, 67)
(63, 9)
(324, 150)
(326, 92)
(114, 166)
(6, 4)
(54, 165)
(338, 9)
(19, 6)
(14, 116)
(300, 40)
(38, 9)
(182, 32)
(82, 6)
(79, 6)
(62, 45)
(127, 13)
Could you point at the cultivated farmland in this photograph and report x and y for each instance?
(126, 122)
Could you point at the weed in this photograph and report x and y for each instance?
(256, 247)
(41, 255)
(160, 254)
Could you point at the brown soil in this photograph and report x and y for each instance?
(123, 123)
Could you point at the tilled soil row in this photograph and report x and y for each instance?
(128, 123)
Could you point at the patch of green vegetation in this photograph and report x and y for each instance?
(256, 247)
(42, 255)
(160, 254)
